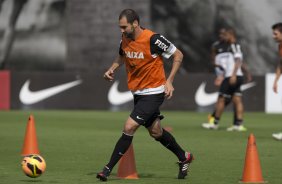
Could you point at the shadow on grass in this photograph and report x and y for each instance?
(31, 181)
(142, 175)
(37, 181)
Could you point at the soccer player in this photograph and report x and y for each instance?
(141, 50)
(230, 59)
(277, 36)
(217, 49)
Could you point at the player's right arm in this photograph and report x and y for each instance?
(213, 54)
(219, 70)
(109, 74)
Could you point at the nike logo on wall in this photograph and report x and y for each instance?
(204, 99)
(30, 97)
(117, 98)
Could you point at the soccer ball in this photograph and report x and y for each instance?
(33, 165)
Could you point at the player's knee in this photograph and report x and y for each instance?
(129, 129)
(227, 101)
(155, 134)
(225, 98)
(237, 99)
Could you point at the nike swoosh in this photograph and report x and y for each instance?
(117, 98)
(139, 118)
(30, 97)
(204, 99)
(247, 86)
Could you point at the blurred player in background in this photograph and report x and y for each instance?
(218, 47)
(9, 34)
(141, 50)
(230, 61)
(277, 36)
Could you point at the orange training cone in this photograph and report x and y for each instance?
(252, 170)
(30, 141)
(127, 168)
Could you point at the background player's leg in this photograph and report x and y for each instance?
(226, 103)
(239, 109)
(234, 115)
(214, 120)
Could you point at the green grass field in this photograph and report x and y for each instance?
(77, 144)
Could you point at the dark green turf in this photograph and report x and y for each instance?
(76, 145)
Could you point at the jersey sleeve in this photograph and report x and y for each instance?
(121, 52)
(159, 45)
(236, 50)
(215, 44)
(219, 71)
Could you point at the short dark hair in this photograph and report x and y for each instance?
(130, 15)
(230, 30)
(278, 26)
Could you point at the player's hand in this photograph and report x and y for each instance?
(168, 90)
(218, 80)
(249, 78)
(275, 87)
(232, 80)
(109, 75)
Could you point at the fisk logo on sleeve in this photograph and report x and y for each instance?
(161, 45)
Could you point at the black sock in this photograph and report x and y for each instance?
(234, 116)
(168, 141)
(235, 119)
(216, 120)
(121, 147)
(239, 122)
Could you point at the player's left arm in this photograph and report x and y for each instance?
(246, 72)
(161, 46)
(238, 57)
(177, 60)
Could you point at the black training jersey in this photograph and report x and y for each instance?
(220, 47)
(226, 57)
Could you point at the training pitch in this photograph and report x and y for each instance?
(77, 144)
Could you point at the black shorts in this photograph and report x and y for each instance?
(147, 108)
(227, 90)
